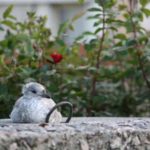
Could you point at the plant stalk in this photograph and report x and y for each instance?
(137, 46)
(94, 81)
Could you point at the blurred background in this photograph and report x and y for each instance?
(93, 53)
(57, 12)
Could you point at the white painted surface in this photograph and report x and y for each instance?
(146, 22)
(57, 11)
(40, 1)
(53, 16)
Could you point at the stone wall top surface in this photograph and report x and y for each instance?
(80, 133)
(96, 123)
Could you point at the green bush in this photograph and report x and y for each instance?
(107, 75)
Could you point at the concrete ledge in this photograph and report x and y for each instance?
(79, 134)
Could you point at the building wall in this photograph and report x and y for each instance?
(57, 11)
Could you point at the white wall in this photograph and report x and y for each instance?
(57, 12)
(146, 22)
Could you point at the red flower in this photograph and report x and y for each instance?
(56, 57)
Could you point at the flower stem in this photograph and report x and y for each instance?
(97, 65)
(137, 45)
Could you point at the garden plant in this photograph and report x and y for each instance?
(107, 75)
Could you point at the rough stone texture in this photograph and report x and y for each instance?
(79, 134)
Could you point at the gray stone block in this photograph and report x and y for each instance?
(80, 134)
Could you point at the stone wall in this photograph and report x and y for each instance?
(79, 134)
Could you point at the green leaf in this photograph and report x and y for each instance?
(91, 45)
(95, 9)
(81, 1)
(120, 36)
(12, 17)
(131, 42)
(122, 52)
(71, 27)
(88, 33)
(146, 11)
(7, 12)
(77, 16)
(92, 69)
(113, 28)
(106, 4)
(27, 71)
(31, 15)
(1, 28)
(98, 30)
(144, 2)
(122, 7)
(60, 42)
(138, 16)
(97, 23)
(9, 24)
(126, 15)
(79, 37)
(143, 40)
(97, 16)
(2, 62)
(63, 27)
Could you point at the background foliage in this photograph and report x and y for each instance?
(106, 75)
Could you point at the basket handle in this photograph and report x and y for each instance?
(64, 103)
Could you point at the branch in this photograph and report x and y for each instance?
(137, 46)
(93, 91)
(101, 41)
